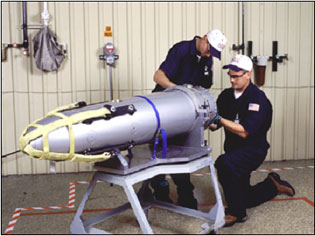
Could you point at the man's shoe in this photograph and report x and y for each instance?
(161, 193)
(231, 220)
(282, 186)
(190, 202)
(162, 197)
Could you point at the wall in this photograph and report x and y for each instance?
(143, 32)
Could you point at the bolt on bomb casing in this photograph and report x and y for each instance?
(73, 132)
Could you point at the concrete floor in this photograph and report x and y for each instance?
(285, 215)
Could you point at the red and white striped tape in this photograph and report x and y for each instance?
(266, 170)
(17, 212)
(71, 199)
(13, 221)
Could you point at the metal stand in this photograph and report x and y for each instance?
(144, 200)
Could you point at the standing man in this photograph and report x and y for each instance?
(246, 115)
(187, 62)
(190, 62)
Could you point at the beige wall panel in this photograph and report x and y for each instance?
(6, 72)
(122, 78)
(202, 18)
(190, 20)
(217, 23)
(125, 94)
(85, 167)
(305, 45)
(270, 134)
(135, 46)
(19, 62)
(301, 123)
(289, 123)
(95, 96)
(232, 31)
(277, 99)
(77, 48)
(65, 98)
(9, 165)
(22, 120)
(162, 31)
(36, 111)
(92, 48)
(281, 36)
(63, 36)
(176, 22)
(149, 44)
(293, 39)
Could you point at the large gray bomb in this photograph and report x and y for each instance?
(81, 132)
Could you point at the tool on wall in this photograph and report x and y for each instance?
(24, 45)
(110, 57)
(260, 62)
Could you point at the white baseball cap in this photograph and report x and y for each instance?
(240, 62)
(217, 42)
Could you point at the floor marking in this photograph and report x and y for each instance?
(266, 170)
(71, 200)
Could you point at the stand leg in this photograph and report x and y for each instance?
(218, 210)
(77, 223)
(137, 209)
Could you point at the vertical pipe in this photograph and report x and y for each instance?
(25, 40)
(243, 44)
(110, 83)
(25, 37)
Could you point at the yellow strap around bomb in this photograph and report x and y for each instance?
(65, 121)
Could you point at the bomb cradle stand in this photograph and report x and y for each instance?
(140, 168)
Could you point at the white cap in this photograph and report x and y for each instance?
(240, 62)
(217, 41)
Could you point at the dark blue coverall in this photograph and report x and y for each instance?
(253, 111)
(183, 66)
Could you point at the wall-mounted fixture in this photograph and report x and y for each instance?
(275, 57)
(23, 45)
(260, 62)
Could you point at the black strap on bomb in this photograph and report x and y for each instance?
(119, 111)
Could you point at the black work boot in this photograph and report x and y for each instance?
(161, 192)
(187, 199)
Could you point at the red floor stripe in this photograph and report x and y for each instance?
(108, 209)
(65, 212)
(290, 199)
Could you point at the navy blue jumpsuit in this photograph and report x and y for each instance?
(183, 65)
(253, 111)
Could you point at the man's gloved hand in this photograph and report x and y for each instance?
(217, 119)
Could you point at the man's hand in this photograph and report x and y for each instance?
(161, 79)
(213, 127)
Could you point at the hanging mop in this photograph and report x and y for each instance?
(47, 52)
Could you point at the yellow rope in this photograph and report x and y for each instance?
(65, 121)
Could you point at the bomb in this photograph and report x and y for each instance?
(89, 133)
